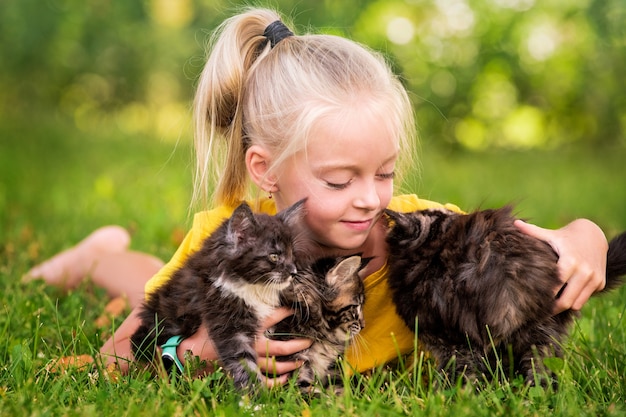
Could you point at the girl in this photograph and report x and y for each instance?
(311, 116)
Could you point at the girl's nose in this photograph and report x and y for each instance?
(368, 197)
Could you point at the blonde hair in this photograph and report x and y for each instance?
(250, 93)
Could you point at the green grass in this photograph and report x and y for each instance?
(58, 183)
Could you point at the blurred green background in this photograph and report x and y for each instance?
(488, 73)
(517, 101)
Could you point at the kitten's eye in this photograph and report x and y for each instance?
(273, 257)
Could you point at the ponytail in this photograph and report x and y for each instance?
(219, 138)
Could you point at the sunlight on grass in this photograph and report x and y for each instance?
(62, 184)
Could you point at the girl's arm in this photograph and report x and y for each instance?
(118, 348)
(278, 371)
(581, 247)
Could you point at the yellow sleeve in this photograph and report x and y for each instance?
(204, 223)
(385, 337)
(411, 202)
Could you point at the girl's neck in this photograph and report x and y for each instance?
(374, 247)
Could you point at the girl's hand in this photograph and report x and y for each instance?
(199, 345)
(117, 349)
(581, 247)
(277, 371)
(268, 350)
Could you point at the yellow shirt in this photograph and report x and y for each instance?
(385, 335)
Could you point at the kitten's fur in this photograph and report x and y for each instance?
(473, 283)
(251, 264)
(230, 285)
(328, 299)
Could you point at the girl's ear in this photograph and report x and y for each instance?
(258, 162)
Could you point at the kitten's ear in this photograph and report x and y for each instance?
(344, 270)
(241, 221)
(393, 218)
(303, 245)
(365, 261)
(392, 215)
(293, 215)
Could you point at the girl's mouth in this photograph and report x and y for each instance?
(358, 225)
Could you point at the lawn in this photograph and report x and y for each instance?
(57, 183)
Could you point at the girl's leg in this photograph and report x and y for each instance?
(125, 274)
(104, 257)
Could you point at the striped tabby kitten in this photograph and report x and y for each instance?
(328, 299)
(471, 284)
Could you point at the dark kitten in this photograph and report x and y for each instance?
(230, 285)
(472, 283)
(328, 300)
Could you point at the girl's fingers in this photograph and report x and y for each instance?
(537, 232)
(272, 367)
(276, 381)
(276, 317)
(581, 247)
(580, 285)
(268, 348)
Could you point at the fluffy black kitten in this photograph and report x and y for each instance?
(477, 289)
(328, 299)
(237, 278)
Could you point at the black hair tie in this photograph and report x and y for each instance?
(276, 32)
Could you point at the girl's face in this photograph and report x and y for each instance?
(346, 173)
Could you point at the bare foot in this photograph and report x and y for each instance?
(69, 267)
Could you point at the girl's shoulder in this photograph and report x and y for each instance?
(205, 222)
(411, 202)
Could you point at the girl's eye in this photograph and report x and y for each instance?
(386, 176)
(273, 257)
(337, 186)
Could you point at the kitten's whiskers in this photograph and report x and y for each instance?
(358, 347)
(302, 305)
